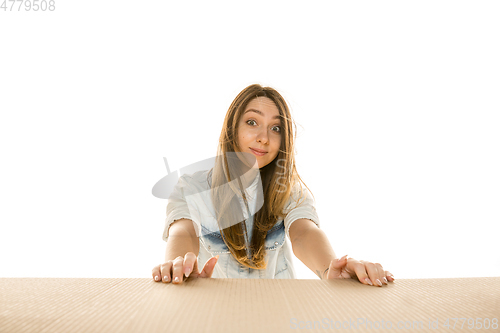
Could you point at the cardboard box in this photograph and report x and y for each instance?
(248, 305)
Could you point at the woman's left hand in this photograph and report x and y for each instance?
(366, 272)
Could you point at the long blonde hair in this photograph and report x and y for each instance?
(278, 180)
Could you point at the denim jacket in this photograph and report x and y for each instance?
(191, 199)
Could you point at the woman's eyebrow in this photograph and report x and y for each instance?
(260, 112)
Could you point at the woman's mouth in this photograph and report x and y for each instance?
(257, 153)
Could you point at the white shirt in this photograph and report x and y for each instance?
(191, 199)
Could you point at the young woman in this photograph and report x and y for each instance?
(245, 216)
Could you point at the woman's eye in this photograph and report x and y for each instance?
(250, 121)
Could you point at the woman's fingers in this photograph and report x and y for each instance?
(371, 273)
(371, 270)
(157, 273)
(366, 272)
(175, 270)
(335, 269)
(378, 273)
(381, 274)
(165, 272)
(177, 273)
(190, 264)
(361, 272)
(346, 273)
(208, 269)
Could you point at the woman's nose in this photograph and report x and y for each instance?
(262, 136)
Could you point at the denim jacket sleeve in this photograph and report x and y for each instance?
(301, 205)
(178, 208)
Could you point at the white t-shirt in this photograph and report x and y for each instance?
(191, 199)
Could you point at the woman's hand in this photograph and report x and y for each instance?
(364, 271)
(174, 270)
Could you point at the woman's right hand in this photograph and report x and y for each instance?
(174, 270)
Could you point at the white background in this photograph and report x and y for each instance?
(397, 104)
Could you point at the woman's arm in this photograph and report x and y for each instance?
(182, 239)
(181, 255)
(310, 244)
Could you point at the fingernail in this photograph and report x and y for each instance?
(156, 278)
(369, 281)
(385, 280)
(165, 278)
(378, 282)
(176, 279)
(187, 272)
(217, 257)
(392, 276)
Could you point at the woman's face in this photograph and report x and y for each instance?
(259, 129)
